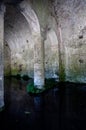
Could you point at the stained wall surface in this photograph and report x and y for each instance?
(72, 19)
(64, 16)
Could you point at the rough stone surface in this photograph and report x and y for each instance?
(71, 18)
(33, 22)
(48, 26)
(1, 56)
(63, 37)
(20, 42)
(21, 39)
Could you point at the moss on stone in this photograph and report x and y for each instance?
(49, 83)
(61, 73)
(33, 89)
(6, 73)
(14, 71)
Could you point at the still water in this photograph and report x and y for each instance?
(61, 108)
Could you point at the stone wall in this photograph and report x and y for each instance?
(72, 21)
(21, 43)
(63, 31)
(18, 38)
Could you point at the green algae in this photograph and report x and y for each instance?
(62, 74)
(49, 83)
(14, 71)
(33, 89)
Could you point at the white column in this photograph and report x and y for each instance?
(38, 62)
(2, 9)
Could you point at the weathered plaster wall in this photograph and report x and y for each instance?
(63, 30)
(48, 26)
(72, 21)
(20, 42)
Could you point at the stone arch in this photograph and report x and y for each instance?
(25, 9)
(18, 37)
(30, 15)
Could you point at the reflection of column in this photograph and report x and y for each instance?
(1, 55)
(38, 62)
(39, 112)
(38, 103)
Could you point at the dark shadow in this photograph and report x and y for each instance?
(60, 108)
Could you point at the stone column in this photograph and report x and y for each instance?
(32, 19)
(61, 47)
(38, 62)
(1, 55)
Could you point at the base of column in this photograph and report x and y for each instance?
(38, 84)
(39, 76)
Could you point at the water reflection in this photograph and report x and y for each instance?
(61, 108)
(39, 112)
(39, 103)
